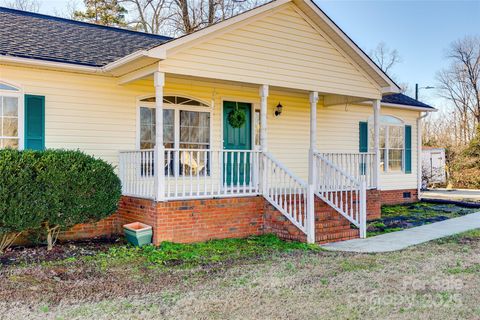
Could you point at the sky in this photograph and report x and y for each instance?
(420, 31)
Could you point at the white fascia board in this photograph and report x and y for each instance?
(392, 87)
(402, 106)
(49, 64)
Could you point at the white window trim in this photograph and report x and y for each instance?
(21, 120)
(177, 108)
(386, 125)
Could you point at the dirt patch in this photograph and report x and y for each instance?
(63, 250)
(437, 280)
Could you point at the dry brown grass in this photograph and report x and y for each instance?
(438, 280)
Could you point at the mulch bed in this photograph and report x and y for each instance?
(62, 250)
(395, 218)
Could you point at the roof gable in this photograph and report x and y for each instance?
(36, 36)
(281, 48)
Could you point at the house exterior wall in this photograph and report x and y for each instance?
(280, 48)
(96, 115)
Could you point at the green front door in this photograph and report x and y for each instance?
(236, 168)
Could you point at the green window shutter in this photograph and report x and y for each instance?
(34, 122)
(363, 146)
(408, 149)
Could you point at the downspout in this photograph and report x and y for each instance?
(419, 152)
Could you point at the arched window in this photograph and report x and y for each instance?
(186, 125)
(178, 100)
(392, 142)
(9, 116)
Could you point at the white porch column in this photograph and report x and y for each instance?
(419, 152)
(376, 142)
(263, 133)
(263, 116)
(159, 82)
(311, 169)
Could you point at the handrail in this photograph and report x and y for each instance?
(341, 191)
(285, 191)
(283, 167)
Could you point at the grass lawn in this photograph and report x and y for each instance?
(404, 216)
(258, 278)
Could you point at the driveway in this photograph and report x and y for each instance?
(452, 194)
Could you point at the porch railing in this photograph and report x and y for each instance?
(285, 191)
(343, 192)
(191, 173)
(137, 174)
(360, 166)
(205, 173)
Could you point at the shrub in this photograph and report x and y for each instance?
(20, 192)
(66, 188)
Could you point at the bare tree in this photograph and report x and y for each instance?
(459, 84)
(179, 17)
(385, 57)
(148, 15)
(71, 7)
(25, 5)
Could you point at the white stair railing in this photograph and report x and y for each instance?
(341, 191)
(359, 165)
(285, 191)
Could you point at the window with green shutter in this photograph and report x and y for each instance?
(408, 149)
(34, 122)
(395, 144)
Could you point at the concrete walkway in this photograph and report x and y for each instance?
(402, 239)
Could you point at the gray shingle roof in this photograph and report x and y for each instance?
(36, 36)
(400, 98)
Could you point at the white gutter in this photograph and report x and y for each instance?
(124, 60)
(419, 153)
(74, 67)
(49, 64)
(402, 106)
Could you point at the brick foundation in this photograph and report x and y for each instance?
(391, 197)
(196, 220)
(201, 220)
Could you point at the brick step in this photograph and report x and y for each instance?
(332, 223)
(322, 238)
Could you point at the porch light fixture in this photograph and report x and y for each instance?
(278, 109)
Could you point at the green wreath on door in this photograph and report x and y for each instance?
(237, 117)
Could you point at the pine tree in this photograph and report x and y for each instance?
(104, 12)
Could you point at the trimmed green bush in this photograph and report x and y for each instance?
(55, 189)
(20, 191)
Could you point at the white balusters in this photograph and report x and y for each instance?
(136, 171)
(360, 166)
(339, 189)
(286, 192)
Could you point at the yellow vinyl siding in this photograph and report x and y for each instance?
(94, 114)
(338, 131)
(281, 49)
(86, 112)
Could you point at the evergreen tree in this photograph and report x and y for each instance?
(104, 12)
